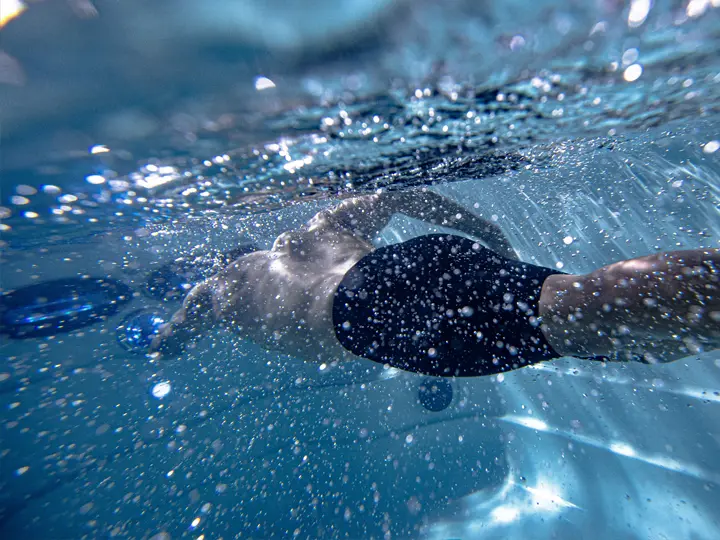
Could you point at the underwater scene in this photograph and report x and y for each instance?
(360, 269)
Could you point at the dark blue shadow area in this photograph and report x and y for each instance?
(60, 306)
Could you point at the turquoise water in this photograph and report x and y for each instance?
(586, 131)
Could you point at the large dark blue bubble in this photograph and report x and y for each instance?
(59, 306)
(435, 394)
(136, 332)
(174, 279)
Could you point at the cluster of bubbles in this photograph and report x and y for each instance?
(444, 131)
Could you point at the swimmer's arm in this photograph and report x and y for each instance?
(664, 305)
(187, 323)
(433, 208)
(364, 216)
(368, 215)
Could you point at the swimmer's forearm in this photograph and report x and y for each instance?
(485, 231)
(489, 233)
(436, 209)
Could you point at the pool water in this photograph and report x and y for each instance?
(587, 131)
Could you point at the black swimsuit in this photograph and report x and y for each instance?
(442, 305)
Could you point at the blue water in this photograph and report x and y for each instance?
(142, 135)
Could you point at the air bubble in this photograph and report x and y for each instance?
(711, 147)
(632, 73)
(161, 389)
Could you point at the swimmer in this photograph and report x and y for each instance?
(448, 305)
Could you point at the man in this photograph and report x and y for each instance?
(445, 305)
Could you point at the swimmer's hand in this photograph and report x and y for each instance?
(186, 325)
(168, 343)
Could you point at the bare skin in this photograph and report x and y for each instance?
(656, 309)
(282, 298)
(660, 307)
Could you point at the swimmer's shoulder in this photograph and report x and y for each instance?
(246, 268)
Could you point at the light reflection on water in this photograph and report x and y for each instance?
(605, 73)
(582, 159)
